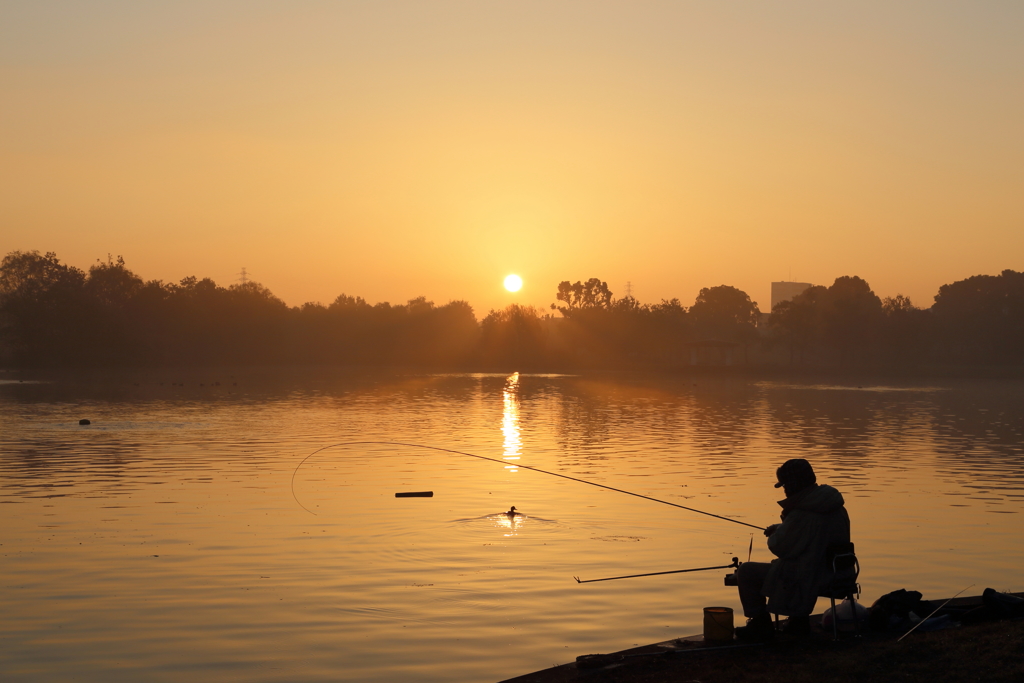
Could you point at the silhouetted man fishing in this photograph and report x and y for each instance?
(813, 520)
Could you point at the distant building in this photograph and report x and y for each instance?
(784, 291)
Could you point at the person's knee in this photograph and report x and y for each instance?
(747, 571)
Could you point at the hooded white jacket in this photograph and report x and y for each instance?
(812, 520)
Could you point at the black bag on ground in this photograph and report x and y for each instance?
(894, 608)
(1002, 605)
(994, 606)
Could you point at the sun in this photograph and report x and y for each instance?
(513, 283)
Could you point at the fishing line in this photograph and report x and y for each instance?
(501, 462)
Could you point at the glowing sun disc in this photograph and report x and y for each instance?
(513, 283)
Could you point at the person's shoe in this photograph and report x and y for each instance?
(758, 630)
(797, 626)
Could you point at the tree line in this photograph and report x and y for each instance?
(56, 315)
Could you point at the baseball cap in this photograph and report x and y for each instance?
(795, 471)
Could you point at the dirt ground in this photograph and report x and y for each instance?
(991, 652)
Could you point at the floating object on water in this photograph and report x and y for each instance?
(83, 421)
(512, 512)
(504, 463)
(735, 563)
(415, 494)
(718, 626)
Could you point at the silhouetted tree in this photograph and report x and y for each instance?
(253, 326)
(582, 296)
(435, 335)
(844, 320)
(599, 330)
(724, 311)
(851, 315)
(456, 334)
(653, 333)
(513, 336)
(797, 322)
(981, 319)
(906, 331)
(196, 323)
(112, 284)
(54, 314)
(113, 333)
(41, 301)
(727, 314)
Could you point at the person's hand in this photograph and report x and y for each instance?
(771, 530)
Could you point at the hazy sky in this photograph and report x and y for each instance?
(397, 149)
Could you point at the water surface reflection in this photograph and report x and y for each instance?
(163, 537)
(510, 420)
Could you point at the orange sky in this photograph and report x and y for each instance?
(391, 150)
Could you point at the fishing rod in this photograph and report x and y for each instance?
(502, 462)
(927, 617)
(735, 564)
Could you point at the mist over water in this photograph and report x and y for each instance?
(163, 540)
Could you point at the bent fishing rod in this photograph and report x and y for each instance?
(504, 462)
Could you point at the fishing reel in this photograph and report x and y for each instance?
(730, 579)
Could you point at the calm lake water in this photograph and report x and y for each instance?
(163, 541)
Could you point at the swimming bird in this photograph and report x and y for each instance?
(512, 512)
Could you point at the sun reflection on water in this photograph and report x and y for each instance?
(510, 421)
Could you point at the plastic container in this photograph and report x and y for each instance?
(849, 619)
